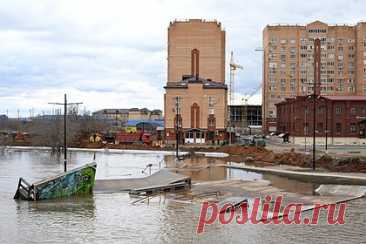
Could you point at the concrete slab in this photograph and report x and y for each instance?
(341, 190)
(314, 177)
(251, 190)
(162, 177)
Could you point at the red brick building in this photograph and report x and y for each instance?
(342, 119)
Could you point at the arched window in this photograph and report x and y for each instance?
(195, 116)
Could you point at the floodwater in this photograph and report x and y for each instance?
(111, 218)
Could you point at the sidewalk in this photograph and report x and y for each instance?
(307, 176)
(276, 145)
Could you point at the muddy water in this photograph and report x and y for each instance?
(110, 218)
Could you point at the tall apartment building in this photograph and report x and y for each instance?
(196, 82)
(288, 65)
(206, 36)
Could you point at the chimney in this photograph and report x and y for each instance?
(195, 64)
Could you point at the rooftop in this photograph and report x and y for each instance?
(125, 110)
(314, 22)
(332, 98)
(190, 79)
(177, 21)
(346, 98)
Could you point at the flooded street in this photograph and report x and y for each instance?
(111, 218)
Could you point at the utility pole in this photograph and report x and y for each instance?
(314, 131)
(65, 130)
(306, 126)
(177, 112)
(326, 126)
(316, 90)
(65, 104)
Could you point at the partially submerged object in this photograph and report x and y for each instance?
(156, 189)
(232, 203)
(163, 177)
(79, 181)
(342, 190)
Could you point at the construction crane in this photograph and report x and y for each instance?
(247, 96)
(233, 68)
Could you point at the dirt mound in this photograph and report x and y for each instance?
(351, 164)
(292, 158)
(243, 150)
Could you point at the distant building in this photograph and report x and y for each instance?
(3, 117)
(144, 125)
(121, 116)
(245, 116)
(342, 119)
(288, 63)
(156, 114)
(116, 116)
(196, 83)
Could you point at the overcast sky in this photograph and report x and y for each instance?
(111, 54)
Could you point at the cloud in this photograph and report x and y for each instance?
(113, 53)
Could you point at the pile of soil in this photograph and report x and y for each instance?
(292, 158)
(133, 146)
(351, 164)
(268, 157)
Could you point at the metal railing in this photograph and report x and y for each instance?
(24, 190)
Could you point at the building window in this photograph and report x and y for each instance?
(338, 110)
(189, 135)
(338, 128)
(211, 102)
(195, 116)
(320, 127)
(353, 111)
(211, 122)
(321, 109)
(353, 127)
